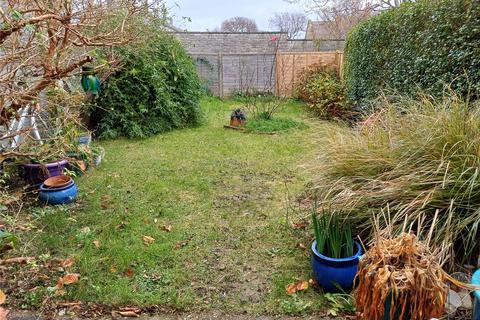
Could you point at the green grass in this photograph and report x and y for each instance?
(222, 191)
(276, 124)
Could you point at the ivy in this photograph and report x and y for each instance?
(428, 46)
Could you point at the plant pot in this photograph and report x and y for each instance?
(85, 139)
(57, 181)
(332, 274)
(476, 296)
(36, 173)
(61, 195)
(99, 158)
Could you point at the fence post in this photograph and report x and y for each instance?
(220, 74)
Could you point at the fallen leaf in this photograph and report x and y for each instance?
(70, 278)
(122, 225)
(96, 243)
(21, 260)
(181, 244)
(301, 246)
(67, 263)
(127, 312)
(3, 313)
(295, 287)
(148, 240)
(113, 269)
(3, 297)
(167, 228)
(69, 304)
(297, 226)
(129, 273)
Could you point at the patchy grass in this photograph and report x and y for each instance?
(274, 125)
(221, 192)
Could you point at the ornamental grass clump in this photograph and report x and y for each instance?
(403, 268)
(412, 158)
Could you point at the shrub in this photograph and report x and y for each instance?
(156, 90)
(411, 159)
(422, 46)
(324, 93)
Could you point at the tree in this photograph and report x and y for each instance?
(43, 41)
(340, 16)
(290, 22)
(239, 24)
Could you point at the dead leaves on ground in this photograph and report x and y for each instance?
(147, 240)
(70, 278)
(3, 312)
(296, 287)
(67, 263)
(17, 260)
(127, 312)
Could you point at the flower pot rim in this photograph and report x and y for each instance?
(476, 281)
(48, 164)
(347, 259)
(47, 189)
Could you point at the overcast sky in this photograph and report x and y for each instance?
(208, 14)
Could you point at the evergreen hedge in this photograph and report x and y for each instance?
(156, 90)
(424, 46)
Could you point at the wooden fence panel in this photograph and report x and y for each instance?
(290, 65)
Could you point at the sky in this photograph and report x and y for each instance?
(209, 14)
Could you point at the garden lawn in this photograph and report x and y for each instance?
(212, 203)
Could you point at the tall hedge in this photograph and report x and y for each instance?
(157, 89)
(423, 46)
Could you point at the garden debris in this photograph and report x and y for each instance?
(147, 240)
(3, 313)
(3, 297)
(182, 244)
(70, 278)
(127, 312)
(67, 263)
(17, 260)
(96, 243)
(129, 273)
(167, 228)
(407, 267)
(297, 226)
(298, 286)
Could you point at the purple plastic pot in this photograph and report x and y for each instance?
(36, 173)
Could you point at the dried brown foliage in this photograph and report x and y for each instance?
(403, 267)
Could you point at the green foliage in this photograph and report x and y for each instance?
(339, 303)
(334, 238)
(413, 160)
(324, 93)
(427, 46)
(155, 91)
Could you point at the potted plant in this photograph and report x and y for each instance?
(238, 118)
(401, 278)
(335, 254)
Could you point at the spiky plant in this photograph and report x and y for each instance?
(412, 158)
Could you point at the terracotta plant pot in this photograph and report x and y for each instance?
(57, 181)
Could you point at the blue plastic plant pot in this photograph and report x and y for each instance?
(476, 296)
(335, 275)
(63, 195)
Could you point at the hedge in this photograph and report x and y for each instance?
(156, 90)
(424, 46)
